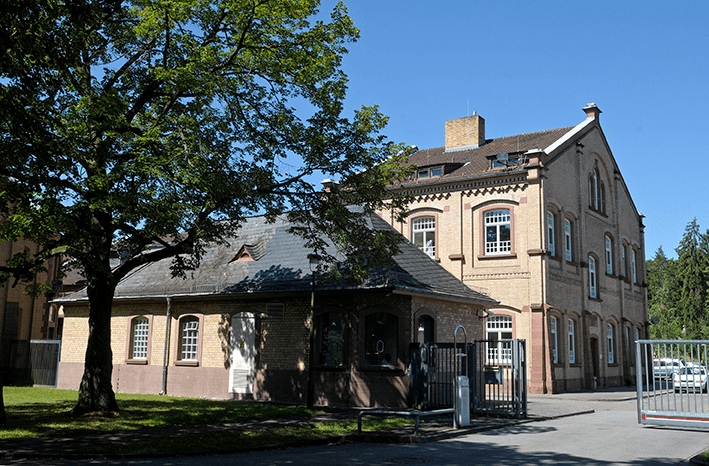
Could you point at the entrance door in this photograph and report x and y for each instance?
(243, 352)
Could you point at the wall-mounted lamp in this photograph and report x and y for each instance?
(483, 313)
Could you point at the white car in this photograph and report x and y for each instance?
(691, 378)
(665, 368)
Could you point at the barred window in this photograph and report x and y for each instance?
(139, 347)
(189, 338)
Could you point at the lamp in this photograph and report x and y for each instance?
(314, 260)
(482, 313)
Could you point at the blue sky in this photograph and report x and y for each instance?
(531, 66)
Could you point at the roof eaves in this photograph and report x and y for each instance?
(568, 136)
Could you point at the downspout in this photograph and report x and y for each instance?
(164, 354)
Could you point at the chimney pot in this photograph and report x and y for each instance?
(592, 111)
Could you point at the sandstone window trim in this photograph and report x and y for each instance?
(188, 340)
(139, 341)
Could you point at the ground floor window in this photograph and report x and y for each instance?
(554, 340)
(381, 339)
(189, 338)
(425, 329)
(330, 342)
(498, 328)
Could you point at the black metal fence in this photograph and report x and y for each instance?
(496, 369)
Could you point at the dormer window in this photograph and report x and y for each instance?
(429, 172)
(507, 160)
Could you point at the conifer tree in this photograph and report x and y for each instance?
(662, 297)
(692, 275)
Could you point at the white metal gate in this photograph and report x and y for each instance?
(672, 382)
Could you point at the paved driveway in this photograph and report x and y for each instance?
(608, 436)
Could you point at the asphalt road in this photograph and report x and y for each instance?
(609, 436)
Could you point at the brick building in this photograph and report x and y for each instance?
(546, 225)
(25, 317)
(238, 327)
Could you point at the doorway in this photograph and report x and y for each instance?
(243, 353)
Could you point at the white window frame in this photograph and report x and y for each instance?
(498, 219)
(609, 255)
(550, 233)
(140, 333)
(568, 240)
(497, 327)
(554, 340)
(634, 266)
(572, 341)
(189, 338)
(592, 278)
(425, 227)
(623, 265)
(611, 345)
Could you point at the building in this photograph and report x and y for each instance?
(546, 225)
(25, 317)
(239, 326)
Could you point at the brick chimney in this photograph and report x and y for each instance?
(467, 131)
(592, 111)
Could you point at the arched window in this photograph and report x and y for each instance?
(426, 331)
(139, 338)
(423, 234)
(568, 240)
(381, 339)
(592, 285)
(331, 342)
(188, 344)
(498, 328)
(609, 255)
(572, 341)
(554, 339)
(611, 345)
(551, 233)
(498, 232)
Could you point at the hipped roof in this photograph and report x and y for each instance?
(282, 266)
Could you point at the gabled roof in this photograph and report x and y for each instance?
(476, 160)
(283, 267)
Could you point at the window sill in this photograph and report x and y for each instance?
(137, 361)
(328, 368)
(498, 256)
(390, 370)
(598, 300)
(187, 363)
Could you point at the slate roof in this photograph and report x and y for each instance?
(475, 160)
(282, 266)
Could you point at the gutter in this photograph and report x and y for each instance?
(164, 354)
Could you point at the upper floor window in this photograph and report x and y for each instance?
(609, 255)
(498, 232)
(623, 265)
(551, 233)
(596, 192)
(592, 288)
(554, 343)
(423, 233)
(633, 266)
(429, 172)
(381, 339)
(568, 243)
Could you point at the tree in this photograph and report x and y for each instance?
(692, 274)
(129, 124)
(662, 297)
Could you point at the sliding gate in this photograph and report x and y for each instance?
(496, 369)
(672, 382)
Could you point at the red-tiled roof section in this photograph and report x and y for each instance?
(478, 157)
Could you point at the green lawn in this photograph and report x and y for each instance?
(36, 412)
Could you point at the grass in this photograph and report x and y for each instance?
(38, 412)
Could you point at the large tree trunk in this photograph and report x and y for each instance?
(95, 392)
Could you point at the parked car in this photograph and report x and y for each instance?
(665, 368)
(691, 378)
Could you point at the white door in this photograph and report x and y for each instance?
(243, 349)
